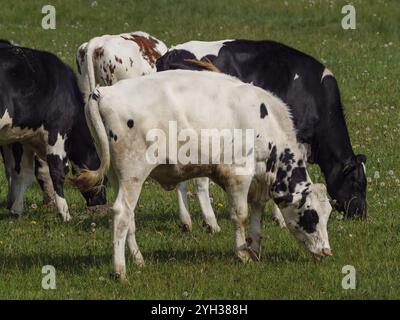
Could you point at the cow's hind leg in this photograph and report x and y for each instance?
(8, 161)
(56, 160)
(207, 211)
(124, 222)
(21, 176)
(278, 217)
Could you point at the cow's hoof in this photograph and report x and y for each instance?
(119, 277)
(244, 256)
(212, 228)
(280, 222)
(49, 202)
(138, 260)
(185, 227)
(66, 217)
(15, 215)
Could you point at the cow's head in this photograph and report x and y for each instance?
(96, 196)
(348, 188)
(307, 216)
(177, 59)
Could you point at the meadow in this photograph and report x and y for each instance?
(201, 265)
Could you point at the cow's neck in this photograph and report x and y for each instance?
(332, 148)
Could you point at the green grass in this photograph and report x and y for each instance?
(199, 265)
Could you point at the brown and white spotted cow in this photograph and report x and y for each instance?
(116, 57)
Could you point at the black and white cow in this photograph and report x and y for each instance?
(41, 107)
(20, 166)
(131, 134)
(311, 92)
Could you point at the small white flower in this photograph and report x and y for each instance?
(376, 175)
(93, 225)
(391, 173)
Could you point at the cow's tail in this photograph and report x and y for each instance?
(205, 64)
(89, 64)
(93, 179)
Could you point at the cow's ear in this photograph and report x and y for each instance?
(361, 158)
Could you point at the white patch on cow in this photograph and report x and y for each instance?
(201, 49)
(58, 148)
(296, 76)
(364, 168)
(62, 207)
(326, 73)
(5, 120)
(10, 134)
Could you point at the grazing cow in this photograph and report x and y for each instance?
(107, 59)
(312, 94)
(20, 165)
(42, 108)
(123, 124)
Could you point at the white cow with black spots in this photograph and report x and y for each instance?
(120, 121)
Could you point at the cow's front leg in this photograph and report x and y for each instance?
(237, 195)
(254, 238)
(184, 215)
(43, 177)
(207, 211)
(56, 160)
(277, 216)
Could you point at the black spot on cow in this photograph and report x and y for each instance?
(287, 157)
(263, 111)
(272, 160)
(130, 123)
(300, 163)
(289, 168)
(17, 154)
(113, 135)
(299, 174)
(95, 96)
(303, 199)
(309, 220)
(280, 185)
(269, 145)
(280, 175)
(287, 198)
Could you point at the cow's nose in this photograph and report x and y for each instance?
(326, 252)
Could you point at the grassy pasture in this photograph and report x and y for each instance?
(199, 265)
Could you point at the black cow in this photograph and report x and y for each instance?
(312, 93)
(42, 108)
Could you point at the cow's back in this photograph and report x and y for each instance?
(197, 100)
